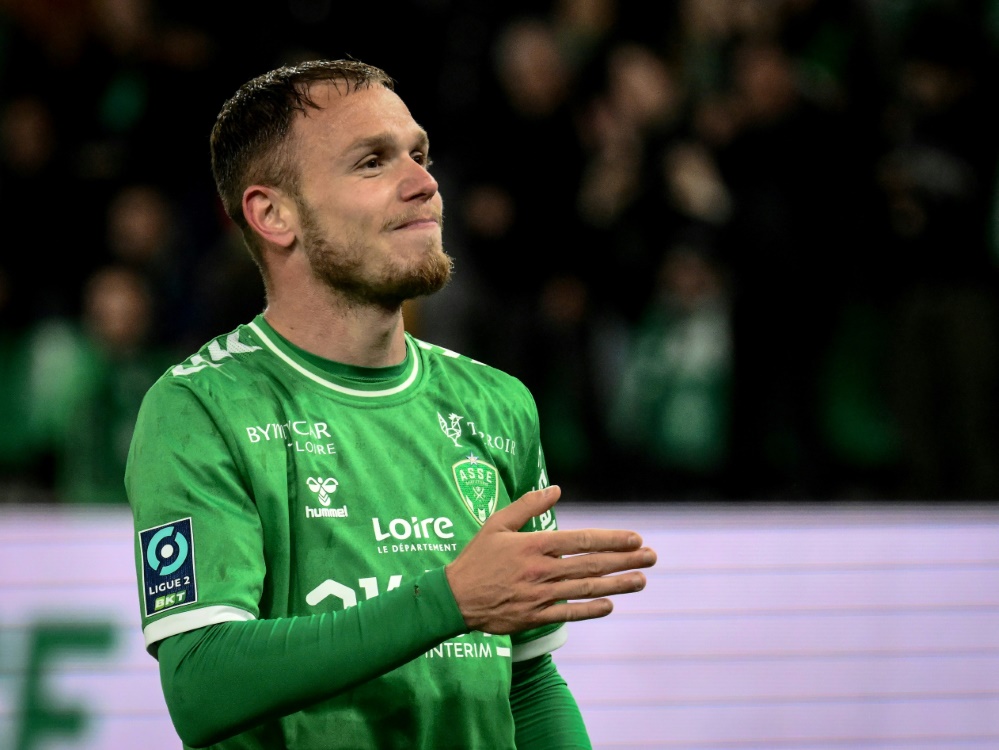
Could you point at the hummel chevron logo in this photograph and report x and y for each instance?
(232, 346)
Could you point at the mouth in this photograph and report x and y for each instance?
(418, 223)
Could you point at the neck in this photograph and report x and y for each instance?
(336, 329)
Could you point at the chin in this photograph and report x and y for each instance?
(431, 276)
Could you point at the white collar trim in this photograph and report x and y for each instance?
(410, 379)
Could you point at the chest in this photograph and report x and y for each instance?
(354, 501)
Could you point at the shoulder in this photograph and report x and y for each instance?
(224, 365)
(232, 351)
(473, 373)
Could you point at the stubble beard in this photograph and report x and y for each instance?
(340, 266)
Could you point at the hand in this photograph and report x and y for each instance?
(505, 581)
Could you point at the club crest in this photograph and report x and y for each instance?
(478, 485)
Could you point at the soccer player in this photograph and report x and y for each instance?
(328, 510)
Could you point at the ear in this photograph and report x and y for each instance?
(271, 214)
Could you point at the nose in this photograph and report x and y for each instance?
(417, 183)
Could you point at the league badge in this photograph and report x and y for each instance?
(168, 578)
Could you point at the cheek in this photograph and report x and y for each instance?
(358, 215)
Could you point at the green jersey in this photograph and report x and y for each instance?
(268, 483)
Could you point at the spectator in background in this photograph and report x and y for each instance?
(936, 174)
(147, 233)
(583, 29)
(87, 382)
(630, 123)
(785, 163)
(670, 417)
(859, 428)
(513, 219)
(648, 185)
(35, 185)
(137, 62)
(18, 452)
(524, 239)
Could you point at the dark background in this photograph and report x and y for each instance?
(739, 250)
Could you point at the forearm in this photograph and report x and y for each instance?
(227, 678)
(544, 711)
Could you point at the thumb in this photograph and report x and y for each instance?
(516, 514)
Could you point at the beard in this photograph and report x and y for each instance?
(341, 266)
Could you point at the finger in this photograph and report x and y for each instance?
(577, 541)
(575, 611)
(519, 512)
(603, 563)
(596, 588)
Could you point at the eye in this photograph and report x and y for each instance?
(422, 159)
(371, 162)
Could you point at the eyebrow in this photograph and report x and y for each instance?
(382, 141)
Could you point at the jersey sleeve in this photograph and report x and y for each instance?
(545, 712)
(536, 642)
(199, 551)
(224, 679)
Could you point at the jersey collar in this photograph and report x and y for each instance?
(362, 382)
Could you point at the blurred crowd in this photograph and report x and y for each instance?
(738, 249)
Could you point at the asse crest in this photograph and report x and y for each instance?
(478, 485)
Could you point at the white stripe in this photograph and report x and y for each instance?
(334, 386)
(234, 346)
(543, 645)
(502, 651)
(192, 619)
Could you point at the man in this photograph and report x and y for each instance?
(326, 508)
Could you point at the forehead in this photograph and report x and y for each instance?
(344, 118)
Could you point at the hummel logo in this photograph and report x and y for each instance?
(324, 488)
(232, 346)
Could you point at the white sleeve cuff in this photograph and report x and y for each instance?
(191, 620)
(539, 646)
